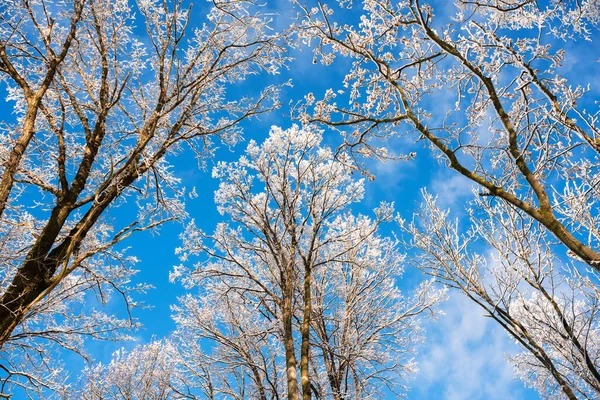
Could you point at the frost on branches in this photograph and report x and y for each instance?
(482, 85)
(294, 284)
(97, 108)
(151, 372)
(545, 304)
(508, 121)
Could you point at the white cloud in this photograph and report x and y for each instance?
(451, 189)
(464, 357)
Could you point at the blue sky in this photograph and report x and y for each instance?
(464, 356)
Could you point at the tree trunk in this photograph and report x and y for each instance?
(288, 339)
(42, 262)
(34, 275)
(305, 332)
(259, 383)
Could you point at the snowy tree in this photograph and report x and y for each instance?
(245, 361)
(292, 269)
(547, 306)
(509, 121)
(365, 329)
(98, 105)
(149, 372)
(482, 84)
(172, 368)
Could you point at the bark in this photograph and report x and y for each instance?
(305, 333)
(288, 339)
(257, 378)
(544, 214)
(36, 275)
(34, 100)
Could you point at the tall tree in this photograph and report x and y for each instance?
(96, 110)
(509, 122)
(289, 237)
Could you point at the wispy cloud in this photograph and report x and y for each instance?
(451, 189)
(465, 358)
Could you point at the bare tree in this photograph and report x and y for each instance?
(288, 237)
(511, 124)
(513, 128)
(151, 371)
(364, 328)
(245, 358)
(96, 112)
(546, 305)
